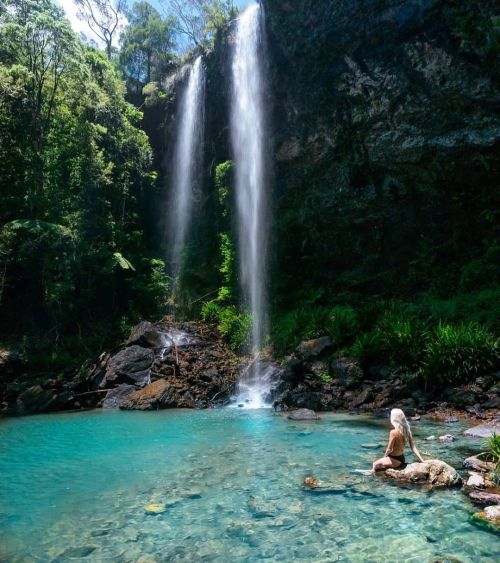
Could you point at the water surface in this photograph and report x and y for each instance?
(76, 485)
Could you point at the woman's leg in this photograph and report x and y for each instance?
(385, 463)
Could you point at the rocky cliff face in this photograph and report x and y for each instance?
(387, 135)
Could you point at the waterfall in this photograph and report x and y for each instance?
(249, 138)
(186, 165)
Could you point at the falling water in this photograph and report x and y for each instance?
(248, 137)
(186, 164)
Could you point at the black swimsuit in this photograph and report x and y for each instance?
(400, 458)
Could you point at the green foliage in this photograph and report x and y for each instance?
(367, 348)
(401, 338)
(343, 324)
(325, 378)
(75, 169)
(223, 179)
(233, 325)
(457, 353)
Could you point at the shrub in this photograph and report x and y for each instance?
(402, 339)
(367, 348)
(457, 353)
(302, 323)
(342, 324)
(233, 325)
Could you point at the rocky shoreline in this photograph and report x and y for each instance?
(172, 364)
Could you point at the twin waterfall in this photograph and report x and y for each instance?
(186, 166)
(248, 139)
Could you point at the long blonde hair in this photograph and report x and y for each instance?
(398, 420)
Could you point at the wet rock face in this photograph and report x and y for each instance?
(432, 472)
(147, 335)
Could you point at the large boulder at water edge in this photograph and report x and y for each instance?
(303, 414)
(485, 430)
(147, 399)
(131, 365)
(431, 472)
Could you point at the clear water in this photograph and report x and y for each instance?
(231, 483)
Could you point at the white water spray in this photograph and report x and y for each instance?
(248, 137)
(187, 160)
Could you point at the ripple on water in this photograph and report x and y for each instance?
(75, 486)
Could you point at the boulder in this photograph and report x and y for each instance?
(476, 481)
(477, 464)
(347, 372)
(117, 396)
(147, 335)
(485, 430)
(312, 349)
(131, 365)
(482, 497)
(148, 398)
(431, 472)
(364, 396)
(303, 414)
(447, 438)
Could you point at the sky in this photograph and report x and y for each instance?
(79, 26)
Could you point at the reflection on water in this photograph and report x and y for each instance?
(74, 486)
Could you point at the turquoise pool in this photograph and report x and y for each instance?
(75, 486)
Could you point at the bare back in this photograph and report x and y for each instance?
(396, 443)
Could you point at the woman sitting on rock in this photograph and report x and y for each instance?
(401, 435)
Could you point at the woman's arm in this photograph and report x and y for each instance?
(414, 449)
(390, 444)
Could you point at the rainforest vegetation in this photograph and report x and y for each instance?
(395, 255)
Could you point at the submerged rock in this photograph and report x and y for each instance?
(303, 414)
(447, 438)
(155, 508)
(489, 516)
(431, 472)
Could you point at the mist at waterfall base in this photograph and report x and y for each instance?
(248, 138)
(186, 165)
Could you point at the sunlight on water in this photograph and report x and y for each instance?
(228, 485)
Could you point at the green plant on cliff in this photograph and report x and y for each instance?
(457, 353)
(232, 323)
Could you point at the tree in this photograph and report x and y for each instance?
(103, 17)
(146, 45)
(198, 20)
(38, 38)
